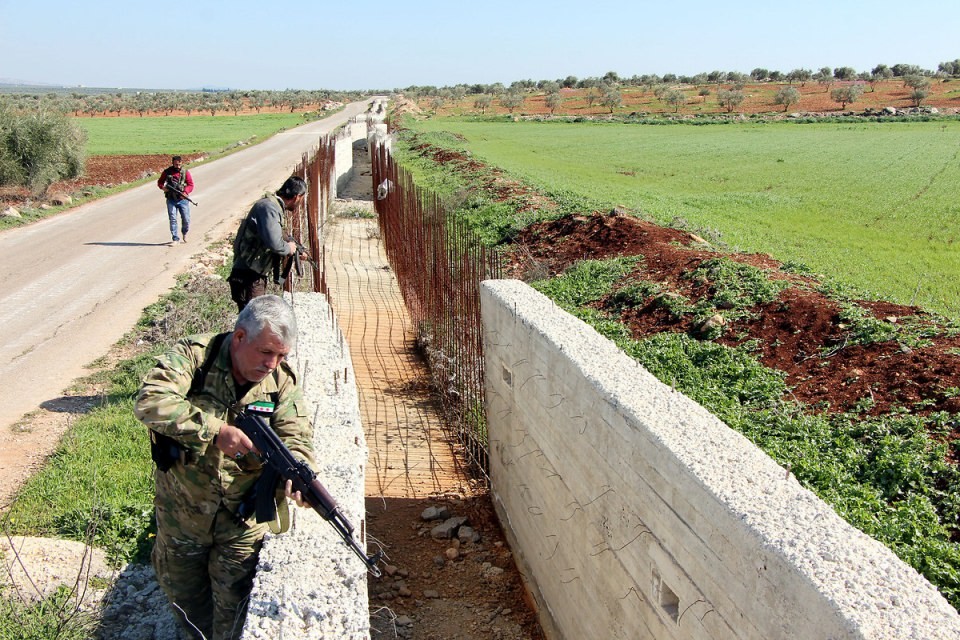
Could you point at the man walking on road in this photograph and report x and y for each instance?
(176, 184)
(260, 243)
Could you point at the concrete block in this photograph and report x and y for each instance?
(636, 513)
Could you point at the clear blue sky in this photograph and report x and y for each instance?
(315, 44)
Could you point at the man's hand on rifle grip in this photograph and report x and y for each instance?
(295, 495)
(234, 442)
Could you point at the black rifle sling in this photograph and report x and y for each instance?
(164, 450)
(200, 375)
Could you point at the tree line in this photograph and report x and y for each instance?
(144, 103)
(670, 88)
(944, 71)
(40, 143)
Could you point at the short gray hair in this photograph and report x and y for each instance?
(272, 312)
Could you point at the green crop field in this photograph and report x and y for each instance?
(193, 134)
(875, 205)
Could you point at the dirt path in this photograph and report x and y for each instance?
(72, 285)
(462, 587)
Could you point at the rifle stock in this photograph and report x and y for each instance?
(282, 463)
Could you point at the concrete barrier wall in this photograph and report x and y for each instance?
(309, 584)
(343, 159)
(360, 128)
(635, 513)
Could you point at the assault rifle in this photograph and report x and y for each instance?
(280, 465)
(170, 186)
(293, 261)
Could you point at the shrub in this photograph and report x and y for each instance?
(39, 148)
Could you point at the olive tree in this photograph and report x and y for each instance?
(729, 99)
(916, 81)
(553, 100)
(39, 148)
(675, 98)
(844, 73)
(482, 102)
(787, 96)
(611, 97)
(950, 67)
(918, 95)
(511, 100)
(847, 95)
(799, 75)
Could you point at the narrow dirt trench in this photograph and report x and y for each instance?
(462, 586)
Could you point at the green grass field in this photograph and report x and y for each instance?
(194, 134)
(874, 205)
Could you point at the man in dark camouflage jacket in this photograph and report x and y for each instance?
(205, 554)
(260, 241)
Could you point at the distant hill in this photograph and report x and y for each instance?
(10, 85)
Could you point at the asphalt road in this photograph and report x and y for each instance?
(73, 284)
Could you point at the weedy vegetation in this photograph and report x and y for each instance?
(97, 487)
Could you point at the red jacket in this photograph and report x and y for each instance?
(174, 173)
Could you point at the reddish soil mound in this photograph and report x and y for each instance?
(800, 333)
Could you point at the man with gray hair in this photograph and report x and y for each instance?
(208, 540)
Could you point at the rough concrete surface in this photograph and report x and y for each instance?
(636, 489)
(309, 584)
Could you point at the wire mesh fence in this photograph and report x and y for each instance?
(439, 263)
(305, 224)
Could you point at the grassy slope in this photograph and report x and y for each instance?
(873, 204)
(194, 134)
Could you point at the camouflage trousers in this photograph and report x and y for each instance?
(208, 578)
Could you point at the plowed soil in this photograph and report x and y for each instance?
(101, 171)
(758, 99)
(800, 333)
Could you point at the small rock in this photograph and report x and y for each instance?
(435, 513)
(10, 212)
(492, 572)
(60, 199)
(452, 553)
(449, 527)
(468, 534)
(430, 593)
(404, 621)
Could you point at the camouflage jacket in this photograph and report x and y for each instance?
(205, 478)
(259, 239)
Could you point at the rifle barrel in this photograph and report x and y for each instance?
(277, 455)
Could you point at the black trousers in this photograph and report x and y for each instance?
(245, 285)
